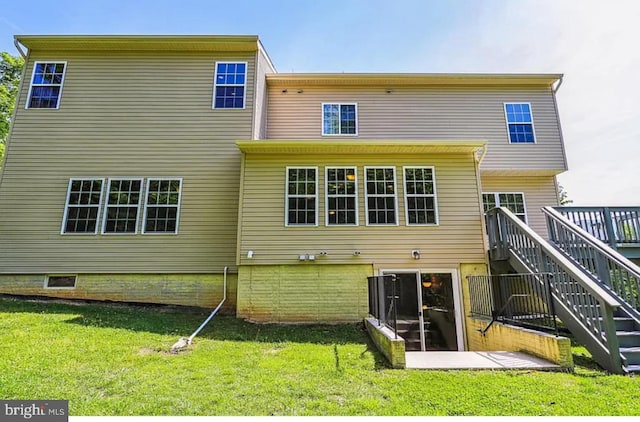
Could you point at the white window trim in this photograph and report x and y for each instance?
(326, 196)
(286, 197)
(406, 196)
(395, 196)
(215, 84)
(496, 196)
(66, 207)
(533, 127)
(146, 200)
(339, 120)
(33, 73)
(46, 281)
(106, 205)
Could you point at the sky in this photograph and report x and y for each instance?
(595, 44)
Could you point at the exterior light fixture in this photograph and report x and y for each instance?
(249, 254)
(415, 254)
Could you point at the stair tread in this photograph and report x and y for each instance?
(628, 333)
(633, 368)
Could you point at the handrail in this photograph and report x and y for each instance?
(617, 226)
(603, 263)
(495, 315)
(584, 306)
(588, 284)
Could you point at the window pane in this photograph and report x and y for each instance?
(301, 196)
(380, 196)
(162, 206)
(45, 85)
(123, 201)
(420, 194)
(229, 85)
(341, 196)
(82, 206)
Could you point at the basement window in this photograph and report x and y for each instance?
(60, 282)
(46, 84)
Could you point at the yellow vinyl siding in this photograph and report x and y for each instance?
(125, 114)
(457, 238)
(419, 112)
(538, 192)
(263, 67)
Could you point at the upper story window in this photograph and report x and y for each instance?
(302, 196)
(420, 196)
(230, 83)
(84, 198)
(339, 119)
(380, 192)
(123, 205)
(342, 196)
(162, 206)
(513, 201)
(519, 123)
(46, 84)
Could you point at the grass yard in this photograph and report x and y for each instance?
(113, 360)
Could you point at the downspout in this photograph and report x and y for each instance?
(184, 341)
(20, 50)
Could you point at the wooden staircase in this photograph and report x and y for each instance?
(595, 289)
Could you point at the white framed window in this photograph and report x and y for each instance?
(162, 205)
(229, 88)
(381, 199)
(513, 201)
(82, 207)
(45, 89)
(341, 196)
(339, 119)
(301, 205)
(60, 281)
(519, 123)
(421, 206)
(122, 206)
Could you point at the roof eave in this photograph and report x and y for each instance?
(140, 42)
(400, 79)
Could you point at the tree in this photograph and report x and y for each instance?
(564, 196)
(10, 72)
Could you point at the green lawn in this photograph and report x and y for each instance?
(113, 360)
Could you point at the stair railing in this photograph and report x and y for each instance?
(603, 264)
(582, 304)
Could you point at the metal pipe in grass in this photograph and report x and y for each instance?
(186, 341)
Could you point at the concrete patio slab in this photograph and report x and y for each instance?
(477, 360)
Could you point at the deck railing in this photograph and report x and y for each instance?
(616, 226)
(603, 264)
(382, 301)
(583, 305)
